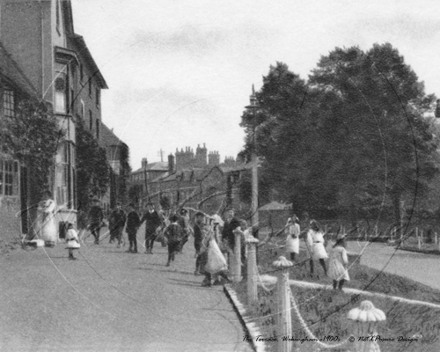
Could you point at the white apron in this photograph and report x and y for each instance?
(315, 243)
(336, 268)
(47, 228)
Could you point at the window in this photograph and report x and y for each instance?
(81, 74)
(8, 103)
(90, 87)
(90, 120)
(57, 9)
(61, 92)
(98, 97)
(66, 190)
(8, 178)
(97, 128)
(83, 109)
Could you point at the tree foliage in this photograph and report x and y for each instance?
(93, 168)
(32, 136)
(352, 140)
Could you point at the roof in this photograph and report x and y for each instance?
(187, 174)
(14, 75)
(275, 206)
(85, 54)
(108, 138)
(157, 166)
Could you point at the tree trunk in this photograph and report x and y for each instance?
(34, 197)
(395, 198)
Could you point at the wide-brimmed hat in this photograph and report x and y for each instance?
(341, 236)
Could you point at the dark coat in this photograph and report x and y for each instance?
(117, 219)
(133, 222)
(96, 215)
(227, 232)
(152, 221)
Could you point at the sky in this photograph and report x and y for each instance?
(180, 72)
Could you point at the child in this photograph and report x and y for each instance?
(338, 262)
(72, 240)
(315, 246)
(292, 240)
(174, 235)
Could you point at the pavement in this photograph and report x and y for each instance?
(420, 267)
(109, 300)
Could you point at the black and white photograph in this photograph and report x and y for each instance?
(219, 176)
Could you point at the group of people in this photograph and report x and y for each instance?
(315, 246)
(214, 239)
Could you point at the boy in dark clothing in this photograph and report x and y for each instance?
(117, 223)
(152, 223)
(133, 223)
(174, 234)
(183, 221)
(95, 218)
(198, 238)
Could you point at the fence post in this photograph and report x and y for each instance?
(236, 258)
(366, 317)
(284, 311)
(252, 270)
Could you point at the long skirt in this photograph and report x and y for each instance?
(48, 230)
(336, 270)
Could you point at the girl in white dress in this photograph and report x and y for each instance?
(292, 239)
(72, 240)
(47, 228)
(315, 245)
(338, 263)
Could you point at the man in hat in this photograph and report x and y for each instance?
(95, 219)
(133, 223)
(152, 222)
(231, 224)
(117, 222)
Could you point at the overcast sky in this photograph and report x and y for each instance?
(180, 72)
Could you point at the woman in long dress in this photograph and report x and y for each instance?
(292, 240)
(337, 263)
(315, 245)
(47, 228)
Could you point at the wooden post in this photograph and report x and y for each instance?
(419, 245)
(252, 271)
(236, 258)
(436, 238)
(284, 326)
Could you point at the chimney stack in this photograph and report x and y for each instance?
(171, 163)
(144, 163)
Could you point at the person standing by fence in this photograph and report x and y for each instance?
(47, 228)
(153, 221)
(315, 246)
(292, 240)
(198, 238)
(337, 263)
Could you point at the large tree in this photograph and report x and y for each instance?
(352, 140)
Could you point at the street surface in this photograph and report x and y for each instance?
(116, 302)
(423, 268)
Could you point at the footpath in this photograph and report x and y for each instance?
(109, 300)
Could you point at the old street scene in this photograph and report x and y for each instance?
(219, 176)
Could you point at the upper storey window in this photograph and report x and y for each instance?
(8, 103)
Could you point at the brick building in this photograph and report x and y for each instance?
(40, 39)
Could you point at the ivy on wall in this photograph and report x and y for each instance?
(32, 136)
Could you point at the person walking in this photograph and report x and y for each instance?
(117, 221)
(95, 219)
(152, 222)
(133, 223)
(174, 235)
(184, 224)
(292, 241)
(47, 229)
(315, 245)
(72, 240)
(199, 230)
(337, 268)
